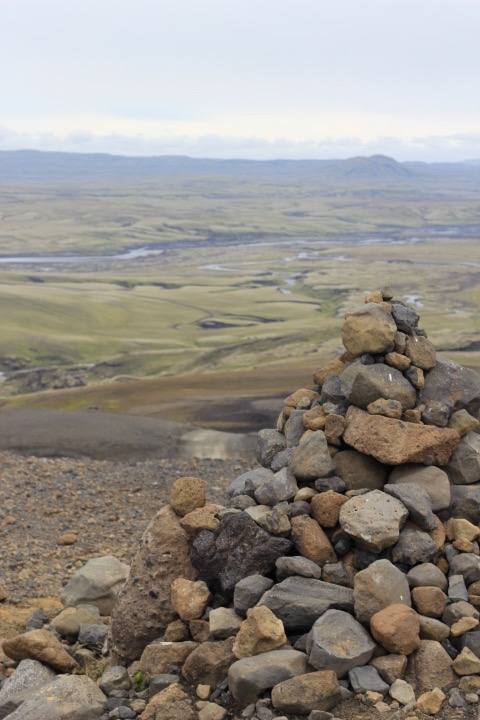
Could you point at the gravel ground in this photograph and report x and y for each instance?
(106, 504)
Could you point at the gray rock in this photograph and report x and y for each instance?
(436, 413)
(363, 384)
(320, 715)
(427, 574)
(114, 677)
(367, 678)
(251, 676)
(403, 692)
(248, 592)
(336, 573)
(381, 584)
(311, 459)
(405, 317)
(268, 444)
(466, 564)
(97, 583)
(433, 480)
(359, 471)
(433, 629)
(417, 501)
(454, 384)
(299, 601)
(280, 460)
(224, 622)
(297, 565)
(331, 394)
(282, 486)
(471, 640)
(294, 428)
(373, 520)
(457, 610)
(300, 507)
(160, 682)
(338, 642)
(236, 549)
(275, 521)
(464, 465)
(93, 636)
(241, 502)
(466, 506)
(29, 676)
(432, 667)
(413, 547)
(457, 590)
(72, 697)
(332, 483)
(251, 479)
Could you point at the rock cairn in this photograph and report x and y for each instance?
(347, 565)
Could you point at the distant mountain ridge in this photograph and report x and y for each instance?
(39, 166)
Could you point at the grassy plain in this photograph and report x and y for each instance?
(247, 295)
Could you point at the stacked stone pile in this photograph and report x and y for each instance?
(346, 567)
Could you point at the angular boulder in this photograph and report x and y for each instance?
(97, 583)
(464, 465)
(373, 519)
(338, 642)
(251, 676)
(458, 386)
(432, 479)
(368, 328)
(67, 696)
(359, 470)
(364, 384)
(381, 584)
(305, 693)
(311, 459)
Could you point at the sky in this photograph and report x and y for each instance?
(254, 79)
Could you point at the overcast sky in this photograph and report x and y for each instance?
(242, 78)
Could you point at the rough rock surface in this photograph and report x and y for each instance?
(306, 693)
(364, 384)
(338, 642)
(39, 645)
(67, 696)
(373, 520)
(381, 584)
(249, 677)
(143, 608)
(368, 329)
(97, 583)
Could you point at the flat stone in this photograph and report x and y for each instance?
(466, 663)
(303, 694)
(249, 591)
(403, 692)
(427, 574)
(396, 628)
(282, 486)
(299, 601)
(454, 384)
(421, 352)
(464, 465)
(297, 565)
(187, 494)
(464, 625)
(311, 459)
(365, 679)
(66, 696)
(338, 642)
(456, 611)
(251, 480)
(396, 442)
(208, 664)
(417, 501)
(390, 667)
(97, 583)
(432, 479)
(261, 632)
(29, 676)
(39, 645)
(238, 548)
(433, 629)
(373, 520)
(365, 384)
(159, 655)
(432, 667)
(268, 444)
(224, 622)
(414, 546)
(368, 329)
(359, 470)
(250, 677)
(189, 598)
(310, 541)
(381, 584)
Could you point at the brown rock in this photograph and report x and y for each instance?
(259, 633)
(159, 655)
(432, 666)
(395, 442)
(310, 540)
(390, 667)
(68, 622)
(302, 694)
(176, 631)
(368, 329)
(467, 663)
(143, 609)
(438, 535)
(334, 367)
(387, 408)
(414, 415)
(68, 539)
(465, 624)
(209, 663)
(460, 529)
(359, 471)
(397, 629)
(199, 630)
(326, 507)
(39, 645)
(421, 352)
(201, 519)
(429, 600)
(169, 704)
(314, 419)
(186, 494)
(375, 297)
(334, 427)
(301, 399)
(311, 459)
(463, 422)
(430, 703)
(189, 598)
(398, 361)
